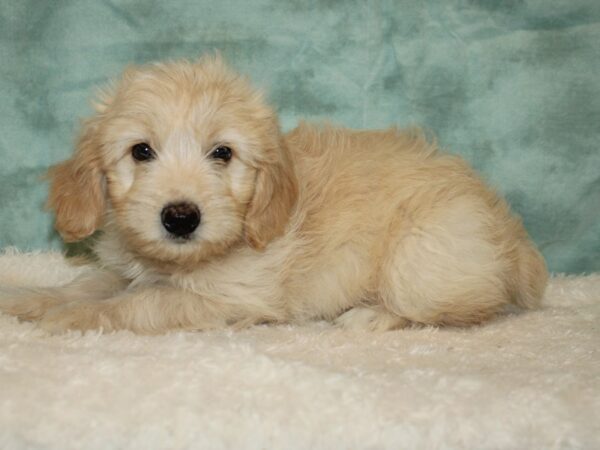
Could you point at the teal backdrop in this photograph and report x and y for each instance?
(513, 86)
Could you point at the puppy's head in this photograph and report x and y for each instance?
(187, 159)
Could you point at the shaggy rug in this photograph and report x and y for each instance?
(524, 381)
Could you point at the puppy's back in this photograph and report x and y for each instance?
(366, 188)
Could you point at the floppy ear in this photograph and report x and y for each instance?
(77, 188)
(274, 197)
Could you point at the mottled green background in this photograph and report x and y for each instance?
(513, 86)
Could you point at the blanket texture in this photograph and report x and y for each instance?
(524, 381)
(512, 86)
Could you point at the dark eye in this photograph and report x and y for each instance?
(222, 152)
(142, 152)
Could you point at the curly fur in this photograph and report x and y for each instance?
(372, 229)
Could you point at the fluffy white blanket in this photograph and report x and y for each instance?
(524, 381)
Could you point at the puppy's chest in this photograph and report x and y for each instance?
(286, 279)
(241, 277)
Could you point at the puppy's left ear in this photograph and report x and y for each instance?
(275, 195)
(77, 188)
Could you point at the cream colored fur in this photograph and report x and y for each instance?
(372, 229)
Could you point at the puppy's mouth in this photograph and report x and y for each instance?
(180, 240)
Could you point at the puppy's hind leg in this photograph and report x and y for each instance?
(370, 318)
(446, 270)
(33, 303)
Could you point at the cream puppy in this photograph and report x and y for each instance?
(211, 217)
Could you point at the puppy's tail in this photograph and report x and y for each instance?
(531, 276)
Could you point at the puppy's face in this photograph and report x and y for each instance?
(187, 159)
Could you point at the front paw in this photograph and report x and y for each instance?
(76, 316)
(27, 304)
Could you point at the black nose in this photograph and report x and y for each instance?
(180, 219)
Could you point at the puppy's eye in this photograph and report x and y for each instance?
(222, 152)
(142, 152)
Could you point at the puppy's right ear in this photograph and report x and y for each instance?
(77, 188)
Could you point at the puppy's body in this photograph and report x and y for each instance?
(374, 229)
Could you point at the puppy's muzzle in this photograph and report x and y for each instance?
(180, 219)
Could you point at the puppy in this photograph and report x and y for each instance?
(211, 217)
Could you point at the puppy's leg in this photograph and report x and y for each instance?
(447, 269)
(148, 310)
(33, 303)
(371, 318)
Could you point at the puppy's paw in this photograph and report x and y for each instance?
(27, 304)
(363, 318)
(76, 316)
